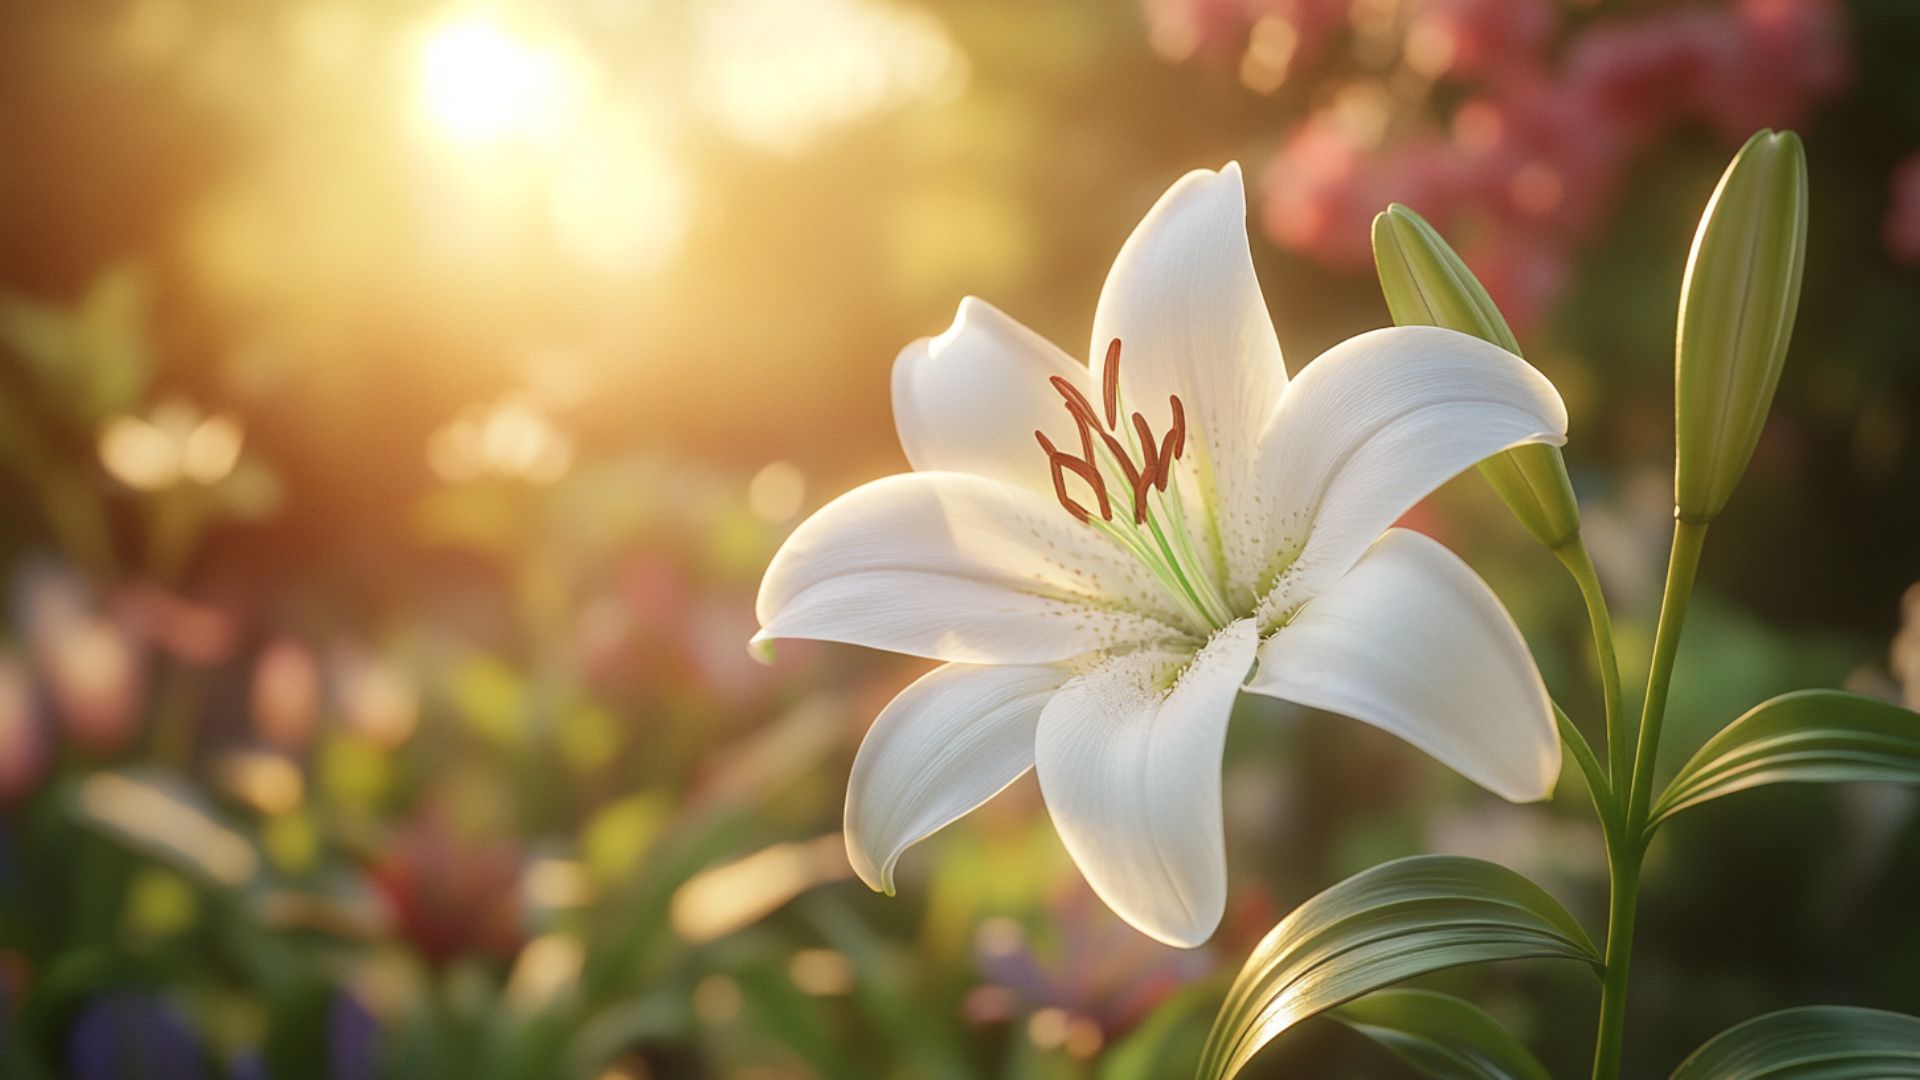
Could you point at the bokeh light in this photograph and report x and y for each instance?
(480, 82)
(779, 73)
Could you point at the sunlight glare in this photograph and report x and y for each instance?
(480, 83)
(779, 73)
(619, 201)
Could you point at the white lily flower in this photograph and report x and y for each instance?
(1188, 524)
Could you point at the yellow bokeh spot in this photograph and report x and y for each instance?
(492, 699)
(589, 735)
(547, 969)
(777, 492)
(557, 883)
(292, 842)
(268, 782)
(354, 770)
(160, 904)
(618, 836)
(821, 972)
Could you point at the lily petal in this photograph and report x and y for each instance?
(1372, 427)
(970, 399)
(957, 567)
(1414, 643)
(1183, 300)
(948, 743)
(1130, 770)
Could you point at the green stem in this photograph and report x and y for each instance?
(1580, 564)
(1688, 538)
(1626, 844)
(1623, 895)
(1590, 770)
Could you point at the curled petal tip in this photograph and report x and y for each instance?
(761, 647)
(1542, 790)
(875, 876)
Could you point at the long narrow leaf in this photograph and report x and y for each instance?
(1441, 1035)
(1810, 736)
(1816, 1042)
(1380, 927)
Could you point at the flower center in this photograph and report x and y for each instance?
(1128, 458)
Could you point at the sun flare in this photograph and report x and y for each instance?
(481, 82)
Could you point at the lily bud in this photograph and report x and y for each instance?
(1737, 306)
(1427, 284)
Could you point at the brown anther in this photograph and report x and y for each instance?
(1060, 463)
(1110, 383)
(1077, 403)
(1083, 415)
(1146, 443)
(1084, 424)
(1151, 474)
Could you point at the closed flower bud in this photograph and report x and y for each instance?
(1427, 284)
(1737, 306)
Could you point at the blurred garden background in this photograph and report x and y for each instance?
(400, 400)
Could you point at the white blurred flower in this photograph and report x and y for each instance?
(174, 444)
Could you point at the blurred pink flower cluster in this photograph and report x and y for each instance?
(80, 680)
(1507, 123)
(1901, 229)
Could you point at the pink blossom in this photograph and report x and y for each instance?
(1900, 231)
(285, 694)
(1480, 38)
(23, 736)
(1322, 189)
(93, 668)
(1527, 165)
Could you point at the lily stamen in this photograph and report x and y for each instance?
(1083, 468)
(1110, 383)
(1151, 474)
(1143, 471)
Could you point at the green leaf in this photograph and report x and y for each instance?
(1809, 736)
(1441, 1035)
(1380, 927)
(1816, 1042)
